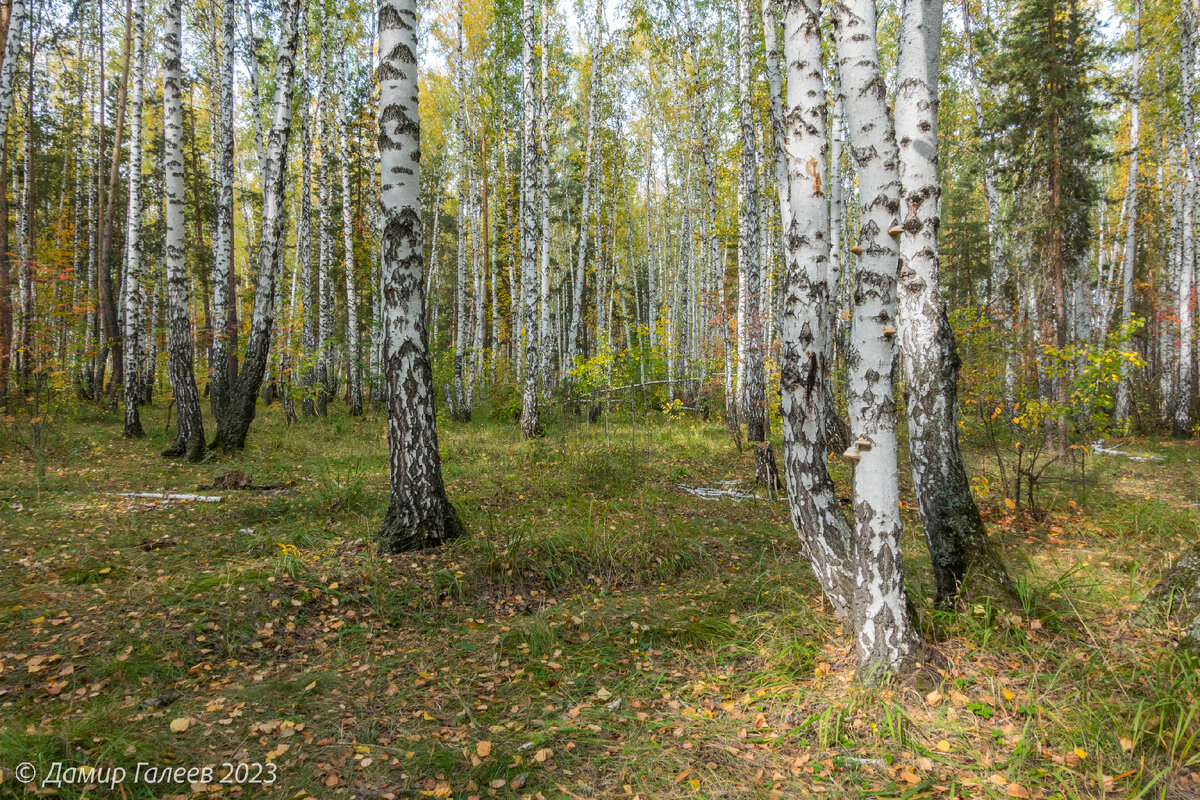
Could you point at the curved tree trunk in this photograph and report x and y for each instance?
(816, 515)
(133, 240)
(419, 513)
(189, 440)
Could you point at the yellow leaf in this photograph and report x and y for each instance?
(1079, 751)
(944, 746)
(483, 749)
(1010, 504)
(180, 725)
(1008, 695)
(695, 784)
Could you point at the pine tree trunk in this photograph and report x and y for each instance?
(133, 241)
(884, 634)
(419, 513)
(189, 440)
(224, 307)
(235, 424)
(755, 389)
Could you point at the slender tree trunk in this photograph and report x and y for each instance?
(1124, 388)
(133, 240)
(14, 23)
(224, 365)
(419, 513)
(354, 373)
(108, 302)
(578, 317)
(756, 382)
(530, 425)
(189, 440)
(234, 425)
(885, 637)
(545, 334)
(308, 337)
(462, 403)
(815, 511)
(1182, 421)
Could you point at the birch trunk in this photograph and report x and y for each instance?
(755, 391)
(884, 634)
(309, 333)
(133, 241)
(419, 513)
(578, 318)
(816, 515)
(324, 240)
(223, 367)
(462, 403)
(1182, 422)
(235, 424)
(530, 424)
(354, 376)
(544, 332)
(1124, 388)
(8, 75)
(189, 440)
(955, 534)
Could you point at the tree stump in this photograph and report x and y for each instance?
(765, 471)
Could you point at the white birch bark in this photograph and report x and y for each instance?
(189, 440)
(530, 425)
(133, 240)
(578, 317)
(354, 376)
(224, 311)
(1129, 252)
(755, 391)
(233, 426)
(1182, 423)
(544, 332)
(815, 512)
(884, 635)
(419, 513)
(8, 72)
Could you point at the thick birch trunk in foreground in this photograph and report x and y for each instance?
(133, 238)
(817, 517)
(530, 426)
(755, 389)
(189, 440)
(233, 426)
(884, 634)
(419, 514)
(954, 532)
(223, 367)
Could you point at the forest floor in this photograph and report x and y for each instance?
(600, 634)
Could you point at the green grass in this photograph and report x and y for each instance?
(599, 628)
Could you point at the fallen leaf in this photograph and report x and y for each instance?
(180, 725)
(483, 749)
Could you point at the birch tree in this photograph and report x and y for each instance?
(885, 638)
(233, 426)
(8, 83)
(1182, 421)
(579, 281)
(530, 425)
(755, 387)
(224, 308)
(954, 532)
(133, 241)
(189, 439)
(815, 511)
(419, 513)
(1129, 250)
(354, 373)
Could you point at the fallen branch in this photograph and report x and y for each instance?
(172, 498)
